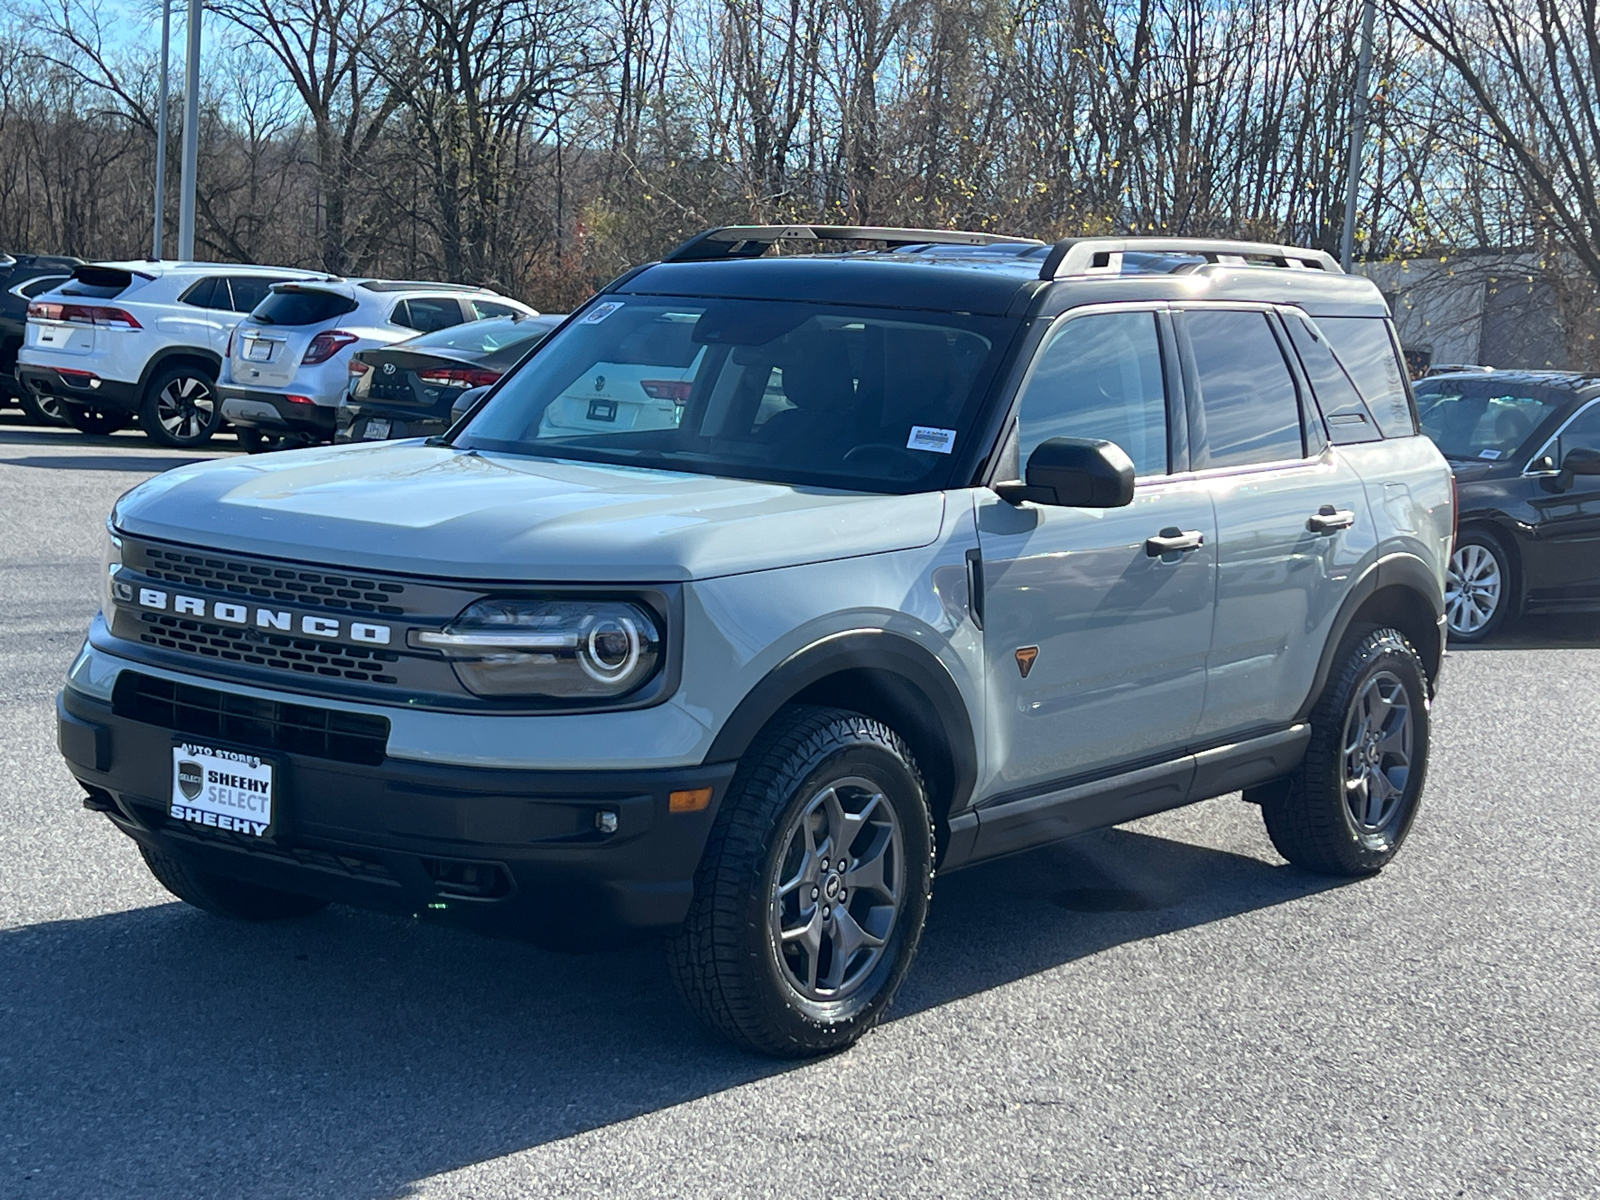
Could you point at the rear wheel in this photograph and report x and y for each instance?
(223, 896)
(1348, 807)
(180, 408)
(1478, 588)
(97, 422)
(41, 410)
(814, 888)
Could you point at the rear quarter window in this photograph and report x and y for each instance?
(1367, 348)
(302, 307)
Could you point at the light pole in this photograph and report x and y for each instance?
(161, 133)
(1358, 136)
(191, 136)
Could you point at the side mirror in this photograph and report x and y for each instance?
(464, 402)
(1074, 473)
(1578, 461)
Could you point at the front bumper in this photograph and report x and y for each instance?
(509, 851)
(274, 411)
(84, 388)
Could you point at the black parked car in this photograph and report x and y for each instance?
(407, 389)
(1525, 447)
(22, 277)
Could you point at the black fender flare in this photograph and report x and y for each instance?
(878, 652)
(1403, 572)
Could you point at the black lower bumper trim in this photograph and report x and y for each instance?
(109, 394)
(515, 851)
(317, 419)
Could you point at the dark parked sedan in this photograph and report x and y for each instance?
(407, 390)
(1525, 447)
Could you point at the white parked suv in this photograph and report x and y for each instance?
(288, 364)
(145, 338)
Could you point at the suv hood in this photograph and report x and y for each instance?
(414, 509)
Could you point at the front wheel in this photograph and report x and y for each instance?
(1477, 593)
(226, 897)
(97, 422)
(814, 888)
(1348, 807)
(180, 408)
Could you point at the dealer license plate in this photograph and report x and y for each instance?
(222, 789)
(376, 430)
(257, 349)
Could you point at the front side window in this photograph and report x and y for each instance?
(1368, 351)
(830, 395)
(1249, 406)
(1100, 377)
(1468, 419)
(1582, 434)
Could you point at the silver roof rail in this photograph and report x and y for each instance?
(752, 241)
(1103, 255)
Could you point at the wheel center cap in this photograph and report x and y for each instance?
(830, 889)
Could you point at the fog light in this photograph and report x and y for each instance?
(606, 821)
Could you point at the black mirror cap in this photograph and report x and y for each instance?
(1581, 461)
(1075, 473)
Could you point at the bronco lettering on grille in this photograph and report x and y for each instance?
(230, 613)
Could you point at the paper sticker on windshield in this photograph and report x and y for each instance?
(925, 437)
(1488, 454)
(601, 312)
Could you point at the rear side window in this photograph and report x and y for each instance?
(102, 283)
(205, 294)
(301, 307)
(1100, 377)
(428, 315)
(248, 291)
(1342, 408)
(1368, 351)
(482, 309)
(1249, 406)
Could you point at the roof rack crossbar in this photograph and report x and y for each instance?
(752, 241)
(1103, 255)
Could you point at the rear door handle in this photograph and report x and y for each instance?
(1174, 541)
(1329, 519)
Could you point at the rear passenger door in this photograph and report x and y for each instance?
(1292, 518)
(1096, 641)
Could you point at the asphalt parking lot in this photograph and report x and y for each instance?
(1164, 1009)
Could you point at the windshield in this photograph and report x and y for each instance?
(1469, 419)
(854, 398)
(486, 336)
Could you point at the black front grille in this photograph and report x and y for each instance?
(266, 580)
(361, 663)
(247, 721)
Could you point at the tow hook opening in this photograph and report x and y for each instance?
(468, 879)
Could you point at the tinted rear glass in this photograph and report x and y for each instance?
(299, 307)
(1247, 395)
(102, 283)
(1368, 351)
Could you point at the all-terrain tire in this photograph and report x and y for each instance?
(223, 896)
(1334, 814)
(729, 958)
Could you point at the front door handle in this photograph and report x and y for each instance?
(1329, 519)
(1174, 541)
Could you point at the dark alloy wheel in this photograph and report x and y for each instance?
(814, 888)
(97, 422)
(1478, 593)
(1349, 806)
(180, 408)
(40, 409)
(223, 896)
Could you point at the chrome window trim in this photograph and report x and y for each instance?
(1550, 441)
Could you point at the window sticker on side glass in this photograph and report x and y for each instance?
(601, 312)
(925, 437)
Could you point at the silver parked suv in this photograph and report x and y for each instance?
(768, 584)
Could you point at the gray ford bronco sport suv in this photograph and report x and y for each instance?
(770, 583)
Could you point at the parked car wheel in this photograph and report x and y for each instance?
(96, 422)
(226, 897)
(41, 410)
(1479, 591)
(814, 888)
(180, 408)
(1348, 807)
(255, 441)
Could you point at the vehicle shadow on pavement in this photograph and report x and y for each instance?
(167, 1053)
(144, 464)
(1565, 631)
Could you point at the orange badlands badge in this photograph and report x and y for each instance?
(1025, 657)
